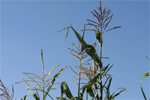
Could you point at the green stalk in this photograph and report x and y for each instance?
(101, 85)
(94, 64)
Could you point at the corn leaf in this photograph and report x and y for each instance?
(88, 85)
(99, 37)
(65, 90)
(90, 91)
(24, 98)
(66, 33)
(53, 80)
(113, 96)
(145, 75)
(91, 50)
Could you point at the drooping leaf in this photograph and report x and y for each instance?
(66, 33)
(114, 95)
(89, 48)
(144, 75)
(84, 45)
(73, 70)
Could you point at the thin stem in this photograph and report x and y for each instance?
(81, 61)
(42, 70)
(101, 90)
(93, 60)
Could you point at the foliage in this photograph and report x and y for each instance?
(42, 82)
(97, 76)
(88, 86)
(144, 75)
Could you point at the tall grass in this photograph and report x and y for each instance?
(42, 82)
(144, 75)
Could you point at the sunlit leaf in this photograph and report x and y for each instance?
(144, 75)
(53, 80)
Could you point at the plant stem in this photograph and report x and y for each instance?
(81, 61)
(42, 70)
(101, 89)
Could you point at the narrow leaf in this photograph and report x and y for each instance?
(24, 98)
(62, 29)
(65, 89)
(53, 80)
(73, 70)
(145, 75)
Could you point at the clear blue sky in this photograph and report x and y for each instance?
(28, 26)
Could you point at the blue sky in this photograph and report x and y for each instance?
(28, 26)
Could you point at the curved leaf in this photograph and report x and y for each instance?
(53, 80)
(65, 89)
(144, 75)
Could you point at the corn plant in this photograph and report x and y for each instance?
(42, 81)
(5, 95)
(99, 71)
(144, 75)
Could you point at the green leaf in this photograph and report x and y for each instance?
(67, 33)
(53, 80)
(143, 92)
(65, 89)
(144, 75)
(60, 98)
(35, 96)
(24, 98)
(91, 50)
(109, 84)
(108, 68)
(84, 45)
(91, 82)
(113, 96)
(107, 80)
(90, 91)
(99, 37)
(64, 29)
(73, 70)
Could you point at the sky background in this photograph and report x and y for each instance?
(28, 26)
